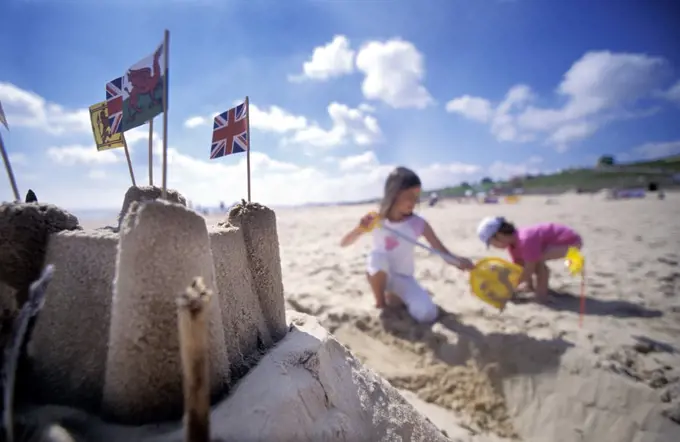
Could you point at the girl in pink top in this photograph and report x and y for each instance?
(530, 247)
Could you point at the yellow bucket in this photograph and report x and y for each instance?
(494, 280)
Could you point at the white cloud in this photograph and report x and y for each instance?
(673, 94)
(474, 108)
(138, 134)
(501, 171)
(97, 174)
(651, 151)
(576, 131)
(274, 181)
(78, 154)
(27, 109)
(195, 122)
(361, 161)
(269, 119)
(18, 158)
(599, 88)
(275, 119)
(331, 60)
(348, 125)
(504, 121)
(366, 108)
(344, 179)
(393, 72)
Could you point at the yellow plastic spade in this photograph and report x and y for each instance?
(494, 280)
(574, 261)
(374, 223)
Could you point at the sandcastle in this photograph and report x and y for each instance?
(103, 359)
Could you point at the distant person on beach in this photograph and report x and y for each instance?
(530, 247)
(391, 263)
(434, 198)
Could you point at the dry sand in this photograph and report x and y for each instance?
(529, 373)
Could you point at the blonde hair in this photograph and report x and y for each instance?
(398, 180)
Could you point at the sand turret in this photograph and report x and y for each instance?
(163, 247)
(70, 340)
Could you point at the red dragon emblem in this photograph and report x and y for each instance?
(143, 83)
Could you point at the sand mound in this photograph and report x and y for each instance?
(307, 388)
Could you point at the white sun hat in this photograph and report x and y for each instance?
(488, 227)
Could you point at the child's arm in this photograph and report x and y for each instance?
(351, 237)
(431, 237)
(528, 270)
(359, 230)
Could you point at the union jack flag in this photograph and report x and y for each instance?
(114, 104)
(3, 119)
(230, 132)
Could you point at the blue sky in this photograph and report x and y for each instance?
(341, 91)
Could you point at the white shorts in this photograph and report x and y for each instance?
(418, 302)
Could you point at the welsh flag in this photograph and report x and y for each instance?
(137, 96)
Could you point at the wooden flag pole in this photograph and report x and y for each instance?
(129, 161)
(249, 143)
(10, 173)
(166, 43)
(151, 152)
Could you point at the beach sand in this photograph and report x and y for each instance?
(529, 373)
(516, 372)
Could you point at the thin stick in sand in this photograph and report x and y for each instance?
(20, 329)
(129, 162)
(151, 152)
(249, 143)
(193, 342)
(10, 173)
(166, 50)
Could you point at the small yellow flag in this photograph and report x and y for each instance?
(99, 117)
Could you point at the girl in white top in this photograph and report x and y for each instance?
(391, 263)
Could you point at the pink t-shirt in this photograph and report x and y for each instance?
(534, 240)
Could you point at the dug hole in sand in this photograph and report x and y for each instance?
(505, 386)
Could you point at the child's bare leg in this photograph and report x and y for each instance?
(378, 283)
(542, 280)
(393, 300)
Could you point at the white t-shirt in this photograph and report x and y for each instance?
(398, 251)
